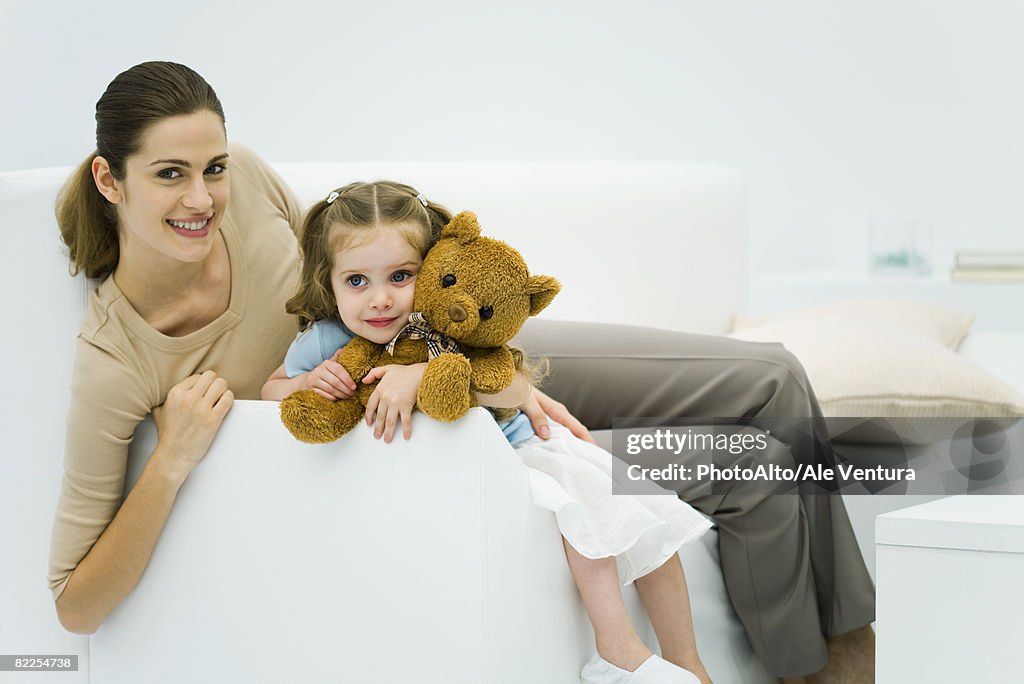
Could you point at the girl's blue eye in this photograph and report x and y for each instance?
(168, 174)
(356, 280)
(216, 169)
(400, 276)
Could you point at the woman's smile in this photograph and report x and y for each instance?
(193, 227)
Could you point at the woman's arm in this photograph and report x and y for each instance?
(539, 407)
(513, 396)
(116, 561)
(186, 425)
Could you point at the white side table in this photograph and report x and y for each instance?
(951, 591)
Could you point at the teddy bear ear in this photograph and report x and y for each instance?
(463, 227)
(542, 289)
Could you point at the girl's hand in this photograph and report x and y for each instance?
(190, 417)
(540, 407)
(393, 399)
(330, 380)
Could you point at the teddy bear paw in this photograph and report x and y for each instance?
(444, 391)
(315, 420)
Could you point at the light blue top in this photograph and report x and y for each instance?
(314, 345)
(323, 339)
(517, 428)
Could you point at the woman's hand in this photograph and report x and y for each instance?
(393, 399)
(540, 407)
(330, 380)
(190, 417)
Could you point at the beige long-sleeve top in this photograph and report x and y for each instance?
(123, 368)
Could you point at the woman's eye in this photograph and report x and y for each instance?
(448, 280)
(168, 174)
(486, 312)
(216, 169)
(356, 280)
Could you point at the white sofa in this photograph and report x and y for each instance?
(361, 561)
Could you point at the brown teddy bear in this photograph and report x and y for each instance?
(473, 294)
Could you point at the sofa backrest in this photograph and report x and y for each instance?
(661, 245)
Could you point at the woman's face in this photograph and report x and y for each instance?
(175, 190)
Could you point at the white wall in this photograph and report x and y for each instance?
(835, 112)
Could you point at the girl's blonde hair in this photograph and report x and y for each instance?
(331, 226)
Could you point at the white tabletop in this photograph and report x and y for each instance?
(973, 523)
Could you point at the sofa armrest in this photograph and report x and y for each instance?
(302, 554)
(366, 561)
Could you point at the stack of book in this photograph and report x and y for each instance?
(989, 265)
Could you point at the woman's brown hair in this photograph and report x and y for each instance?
(136, 99)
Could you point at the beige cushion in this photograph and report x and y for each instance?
(888, 359)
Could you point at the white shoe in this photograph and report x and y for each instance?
(654, 670)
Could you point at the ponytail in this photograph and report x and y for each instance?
(88, 224)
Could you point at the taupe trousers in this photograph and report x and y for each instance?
(791, 563)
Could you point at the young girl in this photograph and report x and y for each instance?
(362, 248)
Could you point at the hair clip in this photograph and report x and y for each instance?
(422, 199)
(333, 196)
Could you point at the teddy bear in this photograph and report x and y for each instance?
(473, 294)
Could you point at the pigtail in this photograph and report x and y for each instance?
(88, 224)
(314, 297)
(439, 216)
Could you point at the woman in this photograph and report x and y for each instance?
(194, 243)
(179, 325)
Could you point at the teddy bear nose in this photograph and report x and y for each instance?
(456, 313)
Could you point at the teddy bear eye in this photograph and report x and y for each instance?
(486, 312)
(448, 280)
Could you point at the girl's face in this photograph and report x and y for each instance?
(172, 199)
(374, 282)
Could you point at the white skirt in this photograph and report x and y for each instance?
(573, 479)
